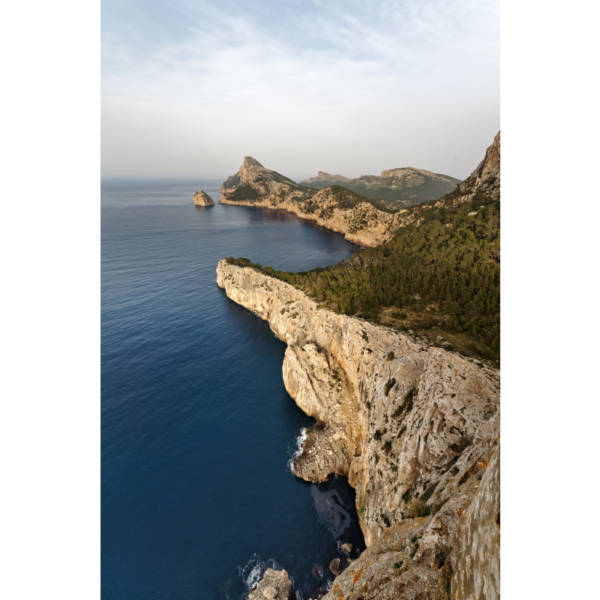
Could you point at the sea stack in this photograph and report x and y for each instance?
(203, 199)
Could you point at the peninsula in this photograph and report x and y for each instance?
(364, 221)
(413, 425)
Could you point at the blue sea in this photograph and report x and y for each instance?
(197, 429)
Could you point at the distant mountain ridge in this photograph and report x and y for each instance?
(405, 185)
(325, 179)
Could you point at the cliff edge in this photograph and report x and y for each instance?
(414, 428)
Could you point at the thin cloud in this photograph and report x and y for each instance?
(318, 69)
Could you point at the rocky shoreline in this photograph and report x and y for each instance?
(416, 430)
(361, 224)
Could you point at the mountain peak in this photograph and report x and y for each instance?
(327, 178)
(486, 177)
(251, 162)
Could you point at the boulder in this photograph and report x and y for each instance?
(336, 566)
(275, 585)
(347, 548)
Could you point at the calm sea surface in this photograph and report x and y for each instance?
(197, 428)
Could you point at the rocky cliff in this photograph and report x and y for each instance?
(338, 208)
(334, 208)
(485, 179)
(203, 199)
(415, 429)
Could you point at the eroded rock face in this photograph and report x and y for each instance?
(202, 199)
(453, 553)
(275, 585)
(394, 415)
(416, 429)
(477, 568)
(485, 178)
(363, 224)
(406, 423)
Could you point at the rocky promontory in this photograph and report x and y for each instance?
(203, 199)
(335, 208)
(361, 220)
(414, 428)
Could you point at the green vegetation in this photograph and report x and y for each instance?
(245, 193)
(418, 508)
(346, 199)
(440, 274)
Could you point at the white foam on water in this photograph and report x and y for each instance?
(299, 443)
(254, 570)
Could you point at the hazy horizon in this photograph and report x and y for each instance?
(349, 88)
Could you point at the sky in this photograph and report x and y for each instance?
(354, 87)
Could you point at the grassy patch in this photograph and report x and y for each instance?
(419, 508)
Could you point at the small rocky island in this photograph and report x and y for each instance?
(203, 199)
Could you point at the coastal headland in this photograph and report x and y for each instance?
(414, 427)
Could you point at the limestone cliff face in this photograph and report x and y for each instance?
(362, 223)
(406, 423)
(203, 199)
(415, 428)
(477, 569)
(485, 178)
(452, 554)
(400, 419)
